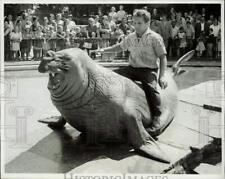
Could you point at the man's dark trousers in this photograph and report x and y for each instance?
(148, 78)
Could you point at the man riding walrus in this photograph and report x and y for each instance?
(147, 58)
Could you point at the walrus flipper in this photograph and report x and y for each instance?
(54, 122)
(141, 140)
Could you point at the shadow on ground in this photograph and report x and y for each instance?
(63, 150)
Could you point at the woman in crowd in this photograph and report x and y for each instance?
(38, 43)
(200, 48)
(210, 43)
(15, 39)
(91, 27)
(183, 43)
(26, 43)
(113, 14)
(7, 31)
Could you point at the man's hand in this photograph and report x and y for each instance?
(162, 82)
(99, 50)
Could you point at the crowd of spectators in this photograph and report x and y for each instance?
(28, 39)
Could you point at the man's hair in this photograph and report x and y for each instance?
(142, 13)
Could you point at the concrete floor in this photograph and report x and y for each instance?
(32, 147)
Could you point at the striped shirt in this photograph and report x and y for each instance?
(144, 51)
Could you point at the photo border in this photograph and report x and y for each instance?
(38, 175)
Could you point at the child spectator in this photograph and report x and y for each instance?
(183, 43)
(26, 42)
(210, 43)
(200, 48)
(15, 39)
(190, 35)
(38, 43)
(60, 41)
(59, 20)
(52, 38)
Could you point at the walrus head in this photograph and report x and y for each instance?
(63, 69)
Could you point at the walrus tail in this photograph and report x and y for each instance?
(184, 58)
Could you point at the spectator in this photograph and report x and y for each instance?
(51, 39)
(91, 27)
(7, 31)
(172, 14)
(216, 27)
(52, 22)
(120, 14)
(100, 15)
(15, 39)
(210, 43)
(112, 24)
(67, 39)
(190, 33)
(219, 44)
(18, 23)
(11, 25)
(130, 27)
(155, 14)
(105, 29)
(180, 20)
(183, 43)
(35, 24)
(211, 20)
(59, 20)
(38, 43)
(60, 42)
(46, 36)
(113, 14)
(201, 27)
(190, 15)
(203, 13)
(123, 26)
(71, 24)
(26, 43)
(200, 48)
(145, 8)
(45, 25)
(174, 38)
(165, 30)
(97, 23)
(26, 21)
(154, 25)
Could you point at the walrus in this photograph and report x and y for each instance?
(104, 105)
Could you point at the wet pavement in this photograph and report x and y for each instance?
(32, 147)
